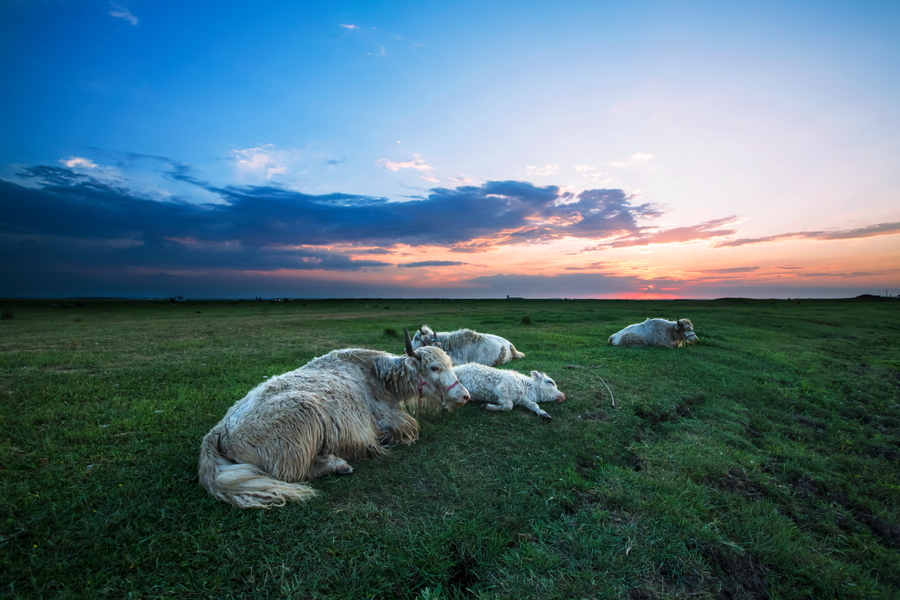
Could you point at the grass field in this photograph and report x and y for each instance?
(762, 462)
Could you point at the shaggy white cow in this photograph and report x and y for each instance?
(503, 389)
(465, 346)
(656, 332)
(309, 422)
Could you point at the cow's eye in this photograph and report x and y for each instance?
(435, 368)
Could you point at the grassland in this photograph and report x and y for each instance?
(761, 462)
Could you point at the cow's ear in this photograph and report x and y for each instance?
(679, 325)
(537, 375)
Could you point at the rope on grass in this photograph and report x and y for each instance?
(612, 398)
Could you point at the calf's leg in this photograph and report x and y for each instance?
(533, 407)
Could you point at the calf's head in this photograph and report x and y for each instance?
(686, 329)
(547, 391)
(437, 381)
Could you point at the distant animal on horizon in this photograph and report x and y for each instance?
(502, 389)
(656, 332)
(465, 346)
(309, 422)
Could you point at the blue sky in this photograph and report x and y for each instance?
(564, 149)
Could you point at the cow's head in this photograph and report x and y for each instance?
(547, 391)
(686, 329)
(436, 379)
(424, 337)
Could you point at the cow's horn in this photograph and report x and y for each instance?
(409, 348)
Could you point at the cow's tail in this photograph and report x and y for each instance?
(242, 484)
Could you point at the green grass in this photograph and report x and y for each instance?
(761, 462)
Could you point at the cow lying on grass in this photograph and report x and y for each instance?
(656, 332)
(465, 346)
(503, 389)
(309, 422)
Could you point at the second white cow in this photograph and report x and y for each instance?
(501, 389)
(465, 346)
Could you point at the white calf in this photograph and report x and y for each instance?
(502, 389)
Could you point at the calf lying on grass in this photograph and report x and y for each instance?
(502, 389)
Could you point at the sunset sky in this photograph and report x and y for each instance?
(597, 149)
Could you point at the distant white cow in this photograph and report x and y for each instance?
(656, 332)
(465, 346)
(502, 389)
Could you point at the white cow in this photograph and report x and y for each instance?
(502, 389)
(465, 346)
(656, 332)
(342, 406)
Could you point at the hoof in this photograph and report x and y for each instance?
(344, 469)
(546, 417)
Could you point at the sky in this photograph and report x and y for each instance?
(566, 149)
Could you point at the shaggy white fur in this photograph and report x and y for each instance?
(502, 389)
(465, 346)
(309, 422)
(656, 332)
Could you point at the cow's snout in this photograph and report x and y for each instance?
(450, 406)
(456, 396)
(561, 398)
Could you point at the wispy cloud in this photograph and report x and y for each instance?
(727, 271)
(120, 12)
(417, 163)
(349, 26)
(650, 235)
(836, 234)
(262, 161)
(547, 169)
(634, 159)
(78, 162)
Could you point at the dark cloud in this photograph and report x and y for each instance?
(94, 225)
(66, 202)
(433, 263)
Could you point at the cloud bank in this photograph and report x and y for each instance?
(84, 222)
